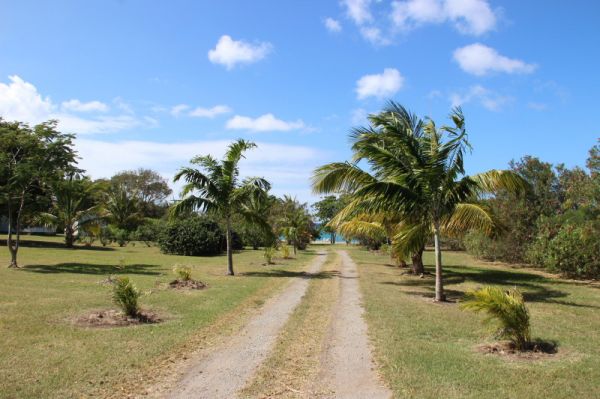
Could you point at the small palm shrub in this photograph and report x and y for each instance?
(285, 251)
(269, 254)
(184, 273)
(506, 312)
(125, 295)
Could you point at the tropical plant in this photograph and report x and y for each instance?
(285, 251)
(268, 254)
(417, 171)
(193, 236)
(126, 295)
(121, 208)
(184, 273)
(295, 223)
(215, 188)
(506, 312)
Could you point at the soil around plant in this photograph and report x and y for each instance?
(536, 350)
(113, 318)
(180, 284)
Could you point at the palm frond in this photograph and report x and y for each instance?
(469, 216)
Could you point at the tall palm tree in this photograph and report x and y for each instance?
(417, 170)
(215, 188)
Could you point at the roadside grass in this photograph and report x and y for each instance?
(43, 354)
(427, 350)
(292, 367)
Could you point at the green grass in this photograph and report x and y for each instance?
(426, 350)
(43, 354)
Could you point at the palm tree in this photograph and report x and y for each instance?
(215, 188)
(417, 170)
(295, 222)
(72, 206)
(122, 207)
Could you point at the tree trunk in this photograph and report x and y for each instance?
(69, 237)
(229, 249)
(332, 238)
(439, 284)
(417, 262)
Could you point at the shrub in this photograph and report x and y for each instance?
(194, 236)
(506, 312)
(285, 251)
(269, 254)
(184, 273)
(149, 232)
(484, 247)
(125, 295)
(573, 250)
(120, 236)
(105, 236)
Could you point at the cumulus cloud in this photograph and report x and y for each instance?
(200, 112)
(358, 10)
(264, 123)
(381, 85)
(480, 60)
(287, 167)
(20, 100)
(474, 17)
(179, 109)
(78, 106)
(332, 25)
(487, 98)
(229, 52)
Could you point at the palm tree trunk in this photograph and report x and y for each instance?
(417, 262)
(229, 249)
(439, 286)
(69, 238)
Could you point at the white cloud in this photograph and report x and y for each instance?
(474, 17)
(229, 52)
(381, 85)
(78, 106)
(210, 112)
(487, 98)
(333, 25)
(374, 35)
(480, 60)
(20, 100)
(264, 123)
(287, 167)
(358, 10)
(178, 109)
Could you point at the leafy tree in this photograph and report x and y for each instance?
(149, 187)
(417, 171)
(326, 209)
(216, 188)
(31, 159)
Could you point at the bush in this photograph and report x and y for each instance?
(285, 251)
(484, 247)
(125, 295)
(149, 232)
(184, 273)
(269, 254)
(195, 236)
(105, 236)
(573, 250)
(506, 311)
(120, 236)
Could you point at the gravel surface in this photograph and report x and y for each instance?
(227, 369)
(347, 367)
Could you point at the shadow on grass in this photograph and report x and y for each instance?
(530, 284)
(289, 273)
(92, 268)
(56, 245)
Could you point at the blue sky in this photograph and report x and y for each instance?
(153, 83)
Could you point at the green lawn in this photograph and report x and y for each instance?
(42, 354)
(426, 350)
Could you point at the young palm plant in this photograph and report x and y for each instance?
(506, 311)
(416, 170)
(215, 188)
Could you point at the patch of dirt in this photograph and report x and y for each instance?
(115, 318)
(536, 350)
(187, 285)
